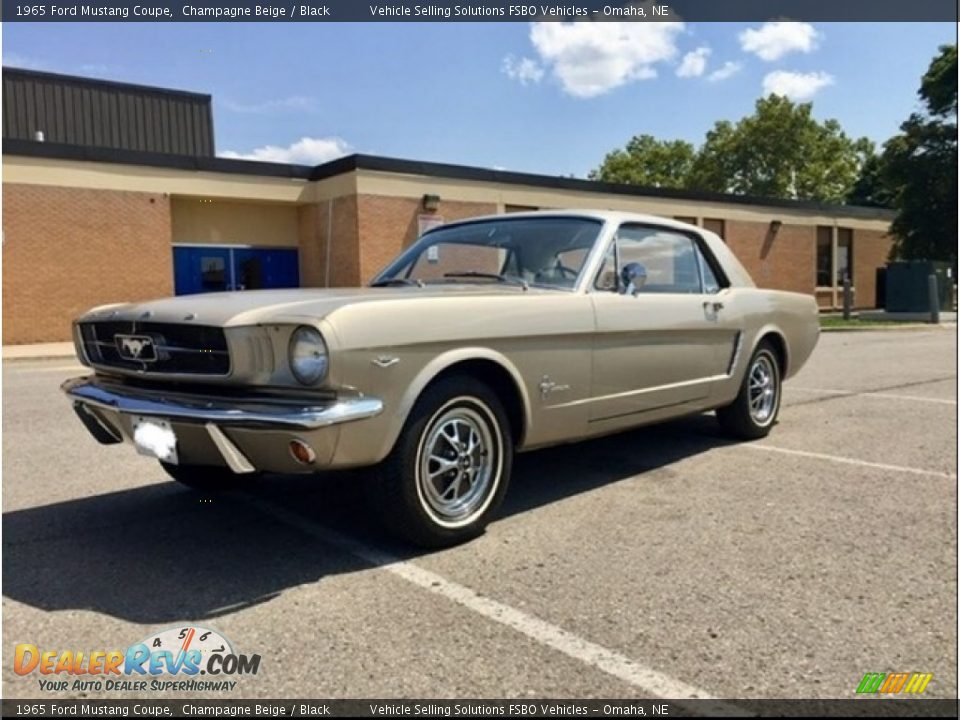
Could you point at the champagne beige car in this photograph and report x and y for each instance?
(484, 338)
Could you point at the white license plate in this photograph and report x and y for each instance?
(155, 438)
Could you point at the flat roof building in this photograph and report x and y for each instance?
(87, 223)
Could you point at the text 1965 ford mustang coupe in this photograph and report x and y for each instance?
(483, 338)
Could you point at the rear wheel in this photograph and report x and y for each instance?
(755, 409)
(207, 478)
(448, 472)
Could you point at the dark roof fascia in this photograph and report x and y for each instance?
(464, 172)
(350, 163)
(96, 82)
(162, 160)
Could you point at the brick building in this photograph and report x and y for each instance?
(126, 212)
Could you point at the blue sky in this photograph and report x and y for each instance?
(551, 98)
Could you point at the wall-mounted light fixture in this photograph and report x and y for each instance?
(430, 202)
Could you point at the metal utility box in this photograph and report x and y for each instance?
(906, 286)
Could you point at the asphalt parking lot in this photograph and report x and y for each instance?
(665, 561)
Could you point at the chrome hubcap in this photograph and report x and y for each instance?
(456, 467)
(762, 390)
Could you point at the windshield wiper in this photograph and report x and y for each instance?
(493, 276)
(388, 282)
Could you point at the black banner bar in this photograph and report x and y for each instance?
(490, 11)
(525, 708)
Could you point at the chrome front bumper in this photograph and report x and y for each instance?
(101, 404)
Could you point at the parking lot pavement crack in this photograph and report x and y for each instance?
(882, 391)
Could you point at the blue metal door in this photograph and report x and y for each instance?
(202, 269)
(199, 269)
(256, 268)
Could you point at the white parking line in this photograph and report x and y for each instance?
(648, 681)
(849, 461)
(886, 396)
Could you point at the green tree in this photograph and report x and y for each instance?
(871, 189)
(649, 162)
(780, 151)
(920, 168)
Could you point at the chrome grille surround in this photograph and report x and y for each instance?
(176, 348)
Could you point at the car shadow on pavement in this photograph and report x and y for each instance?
(160, 553)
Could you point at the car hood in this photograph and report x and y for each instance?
(251, 307)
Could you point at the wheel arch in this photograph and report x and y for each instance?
(488, 366)
(778, 340)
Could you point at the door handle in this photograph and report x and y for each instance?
(714, 305)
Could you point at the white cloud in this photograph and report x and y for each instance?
(796, 86)
(305, 151)
(694, 63)
(28, 62)
(294, 103)
(524, 70)
(95, 69)
(729, 69)
(22, 61)
(776, 39)
(591, 58)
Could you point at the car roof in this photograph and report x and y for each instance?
(607, 216)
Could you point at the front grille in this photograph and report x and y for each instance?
(157, 347)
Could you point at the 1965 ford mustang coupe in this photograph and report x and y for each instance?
(483, 338)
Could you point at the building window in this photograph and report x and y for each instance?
(519, 208)
(687, 220)
(844, 255)
(828, 273)
(824, 256)
(716, 226)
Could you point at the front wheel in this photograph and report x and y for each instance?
(752, 414)
(449, 471)
(208, 478)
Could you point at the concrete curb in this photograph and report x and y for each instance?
(891, 328)
(38, 351)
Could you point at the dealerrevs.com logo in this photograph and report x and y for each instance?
(177, 659)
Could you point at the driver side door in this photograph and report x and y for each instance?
(663, 341)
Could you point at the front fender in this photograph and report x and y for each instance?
(370, 441)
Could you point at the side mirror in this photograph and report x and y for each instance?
(633, 276)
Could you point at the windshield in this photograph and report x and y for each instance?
(544, 251)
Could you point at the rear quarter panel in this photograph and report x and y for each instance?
(792, 317)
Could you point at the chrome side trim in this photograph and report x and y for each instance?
(221, 411)
(735, 355)
(643, 391)
(235, 459)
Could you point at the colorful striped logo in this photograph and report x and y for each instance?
(894, 683)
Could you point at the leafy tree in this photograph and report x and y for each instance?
(649, 162)
(780, 151)
(938, 88)
(920, 168)
(871, 189)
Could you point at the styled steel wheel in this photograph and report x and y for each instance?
(449, 470)
(762, 389)
(459, 462)
(754, 411)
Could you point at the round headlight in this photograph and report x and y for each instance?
(308, 355)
